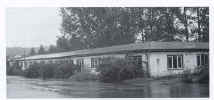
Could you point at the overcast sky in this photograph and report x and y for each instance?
(30, 27)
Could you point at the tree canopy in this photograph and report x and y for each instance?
(32, 51)
(99, 27)
(41, 50)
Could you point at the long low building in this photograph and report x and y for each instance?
(155, 58)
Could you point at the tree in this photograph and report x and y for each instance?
(32, 51)
(93, 27)
(196, 23)
(99, 27)
(53, 49)
(204, 23)
(41, 49)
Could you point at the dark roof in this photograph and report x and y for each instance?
(151, 46)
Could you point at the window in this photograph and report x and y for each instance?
(137, 60)
(80, 62)
(202, 59)
(95, 62)
(175, 62)
(71, 61)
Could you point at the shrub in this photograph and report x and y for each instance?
(114, 70)
(14, 70)
(200, 74)
(65, 70)
(50, 70)
(47, 70)
(204, 74)
(40, 70)
(33, 71)
(84, 76)
(187, 76)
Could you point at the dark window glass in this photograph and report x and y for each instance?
(71, 61)
(174, 61)
(169, 59)
(202, 59)
(95, 62)
(179, 61)
(206, 59)
(80, 62)
(198, 60)
(139, 61)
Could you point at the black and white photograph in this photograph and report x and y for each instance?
(107, 52)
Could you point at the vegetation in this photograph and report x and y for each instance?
(99, 27)
(115, 70)
(33, 71)
(32, 52)
(201, 75)
(88, 27)
(41, 50)
(14, 70)
(46, 71)
(65, 70)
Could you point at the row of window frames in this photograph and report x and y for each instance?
(97, 61)
(176, 61)
(94, 61)
(79, 61)
(50, 61)
(202, 59)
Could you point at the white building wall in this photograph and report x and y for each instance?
(87, 60)
(158, 63)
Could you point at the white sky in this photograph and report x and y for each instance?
(31, 27)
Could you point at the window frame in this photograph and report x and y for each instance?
(136, 59)
(202, 59)
(95, 61)
(179, 64)
(80, 62)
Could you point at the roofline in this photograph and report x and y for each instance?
(122, 52)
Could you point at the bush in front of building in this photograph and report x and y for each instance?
(200, 75)
(116, 70)
(33, 71)
(65, 70)
(46, 71)
(14, 70)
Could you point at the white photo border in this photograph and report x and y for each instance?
(4, 4)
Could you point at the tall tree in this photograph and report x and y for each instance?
(53, 49)
(204, 22)
(99, 27)
(41, 49)
(32, 51)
